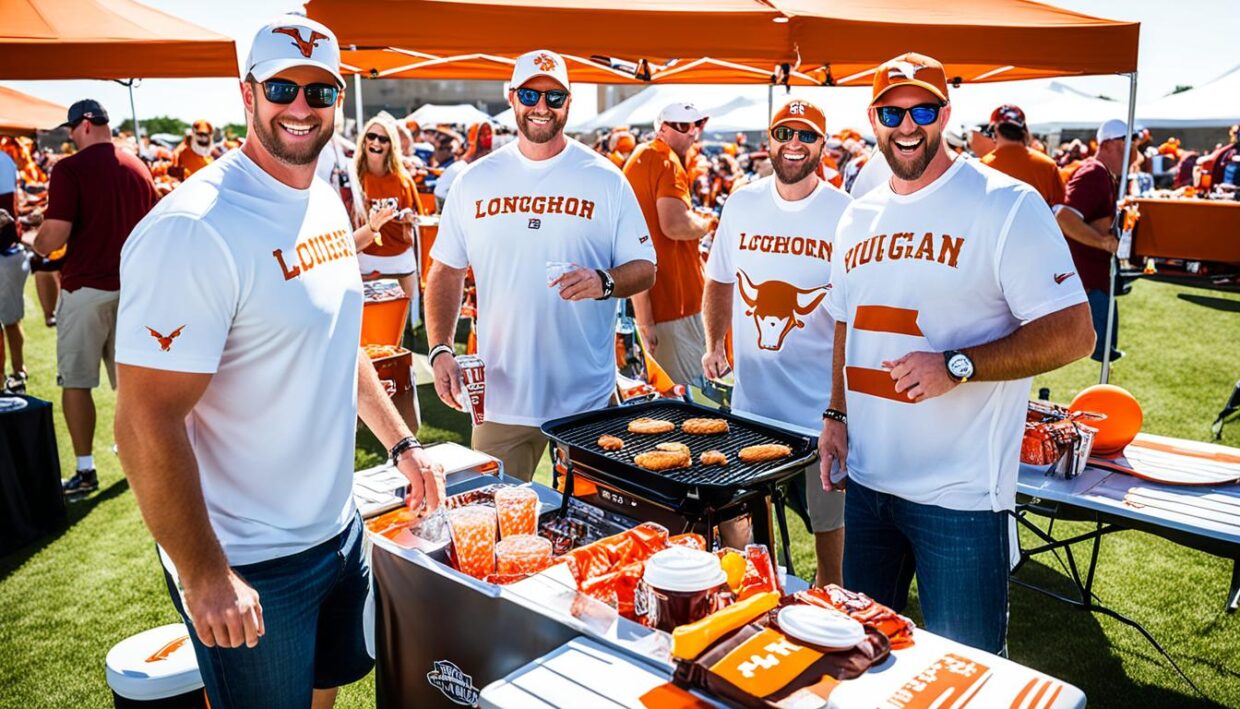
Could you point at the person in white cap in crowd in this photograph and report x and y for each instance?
(552, 232)
(773, 248)
(670, 315)
(241, 381)
(951, 288)
(1086, 217)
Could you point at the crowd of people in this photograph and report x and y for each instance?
(905, 290)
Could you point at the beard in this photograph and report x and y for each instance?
(796, 173)
(268, 136)
(541, 134)
(910, 170)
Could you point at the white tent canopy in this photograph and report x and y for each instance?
(1215, 104)
(461, 114)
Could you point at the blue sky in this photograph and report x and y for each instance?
(1180, 44)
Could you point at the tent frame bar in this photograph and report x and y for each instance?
(1116, 227)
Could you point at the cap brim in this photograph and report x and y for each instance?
(910, 82)
(263, 71)
(793, 119)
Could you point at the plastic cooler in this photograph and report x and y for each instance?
(156, 669)
(383, 320)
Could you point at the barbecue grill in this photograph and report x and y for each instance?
(696, 498)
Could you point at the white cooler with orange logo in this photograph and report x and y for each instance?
(156, 668)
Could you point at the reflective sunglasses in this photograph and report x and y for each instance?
(923, 114)
(783, 134)
(285, 92)
(684, 126)
(529, 97)
(383, 139)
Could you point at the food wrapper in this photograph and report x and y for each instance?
(1055, 436)
(611, 568)
(864, 610)
(752, 570)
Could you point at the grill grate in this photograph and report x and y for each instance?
(582, 432)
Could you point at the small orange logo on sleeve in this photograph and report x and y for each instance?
(165, 341)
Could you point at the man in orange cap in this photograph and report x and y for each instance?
(1013, 157)
(620, 145)
(951, 287)
(194, 153)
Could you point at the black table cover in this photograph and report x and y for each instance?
(31, 503)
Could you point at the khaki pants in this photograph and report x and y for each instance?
(682, 343)
(519, 448)
(85, 336)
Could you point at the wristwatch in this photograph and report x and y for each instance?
(835, 415)
(609, 284)
(959, 366)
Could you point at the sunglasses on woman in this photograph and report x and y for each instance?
(684, 126)
(783, 134)
(923, 114)
(382, 139)
(555, 97)
(285, 92)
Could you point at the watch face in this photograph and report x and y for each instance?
(960, 366)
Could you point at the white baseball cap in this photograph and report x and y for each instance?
(1115, 128)
(292, 40)
(540, 62)
(680, 112)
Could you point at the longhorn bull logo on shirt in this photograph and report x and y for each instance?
(777, 307)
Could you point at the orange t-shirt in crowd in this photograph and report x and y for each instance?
(376, 188)
(189, 161)
(655, 172)
(1030, 167)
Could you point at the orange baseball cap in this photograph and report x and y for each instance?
(911, 69)
(202, 126)
(801, 111)
(626, 142)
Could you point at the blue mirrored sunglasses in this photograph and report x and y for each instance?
(555, 97)
(923, 114)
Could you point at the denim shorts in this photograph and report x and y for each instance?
(312, 611)
(960, 558)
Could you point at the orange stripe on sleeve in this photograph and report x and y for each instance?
(883, 318)
(875, 382)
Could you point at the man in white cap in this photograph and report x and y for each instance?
(1086, 216)
(241, 381)
(552, 232)
(670, 315)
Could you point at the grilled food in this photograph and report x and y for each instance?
(663, 460)
(704, 427)
(610, 443)
(713, 457)
(674, 448)
(764, 452)
(648, 426)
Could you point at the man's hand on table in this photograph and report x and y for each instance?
(225, 611)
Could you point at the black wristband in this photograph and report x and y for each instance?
(609, 284)
(835, 415)
(438, 350)
(405, 444)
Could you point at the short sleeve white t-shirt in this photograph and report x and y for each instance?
(873, 173)
(962, 262)
(256, 283)
(8, 175)
(778, 253)
(449, 175)
(507, 216)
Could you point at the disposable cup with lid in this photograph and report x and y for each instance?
(821, 627)
(684, 570)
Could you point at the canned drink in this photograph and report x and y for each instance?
(473, 386)
(555, 269)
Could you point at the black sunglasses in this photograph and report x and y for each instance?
(923, 114)
(684, 126)
(285, 92)
(783, 134)
(529, 97)
(383, 139)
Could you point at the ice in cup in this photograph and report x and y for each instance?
(517, 509)
(473, 539)
(555, 269)
(522, 554)
(680, 586)
(473, 386)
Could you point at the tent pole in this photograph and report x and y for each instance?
(137, 127)
(770, 103)
(357, 101)
(1117, 226)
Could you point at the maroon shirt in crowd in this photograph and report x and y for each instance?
(1091, 192)
(104, 192)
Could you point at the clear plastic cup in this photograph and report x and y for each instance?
(517, 509)
(522, 554)
(473, 539)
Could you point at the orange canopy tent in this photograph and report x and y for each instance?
(725, 41)
(23, 113)
(106, 39)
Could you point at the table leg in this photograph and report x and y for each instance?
(1233, 596)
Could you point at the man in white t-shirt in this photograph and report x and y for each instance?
(951, 288)
(774, 243)
(546, 332)
(241, 381)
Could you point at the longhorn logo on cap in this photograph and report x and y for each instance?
(307, 46)
(903, 68)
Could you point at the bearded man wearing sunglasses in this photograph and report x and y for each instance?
(552, 232)
(951, 288)
(241, 382)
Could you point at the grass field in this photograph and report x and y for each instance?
(66, 599)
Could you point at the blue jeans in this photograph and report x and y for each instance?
(1098, 313)
(312, 609)
(960, 558)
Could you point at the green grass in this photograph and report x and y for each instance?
(66, 599)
